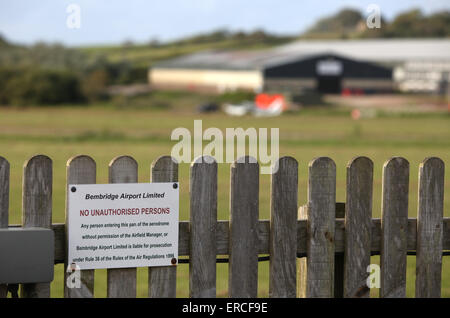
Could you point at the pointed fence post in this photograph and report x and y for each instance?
(122, 281)
(358, 227)
(162, 280)
(430, 228)
(203, 223)
(243, 242)
(79, 170)
(37, 209)
(394, 227)
(316, 273)
(283, 229)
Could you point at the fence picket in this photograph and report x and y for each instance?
(162, 280)
(79, 170)
(122, 281)
(430, 228)
(394, 226)
(337, 250)
(244, 210)
(358, 227)
(4, 206)
(283, 229)
(317, 279)
(203, 222)
(37, 208)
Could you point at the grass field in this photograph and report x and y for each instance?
(106, 131)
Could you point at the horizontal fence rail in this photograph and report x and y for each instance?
(263, 244)
(321, 249)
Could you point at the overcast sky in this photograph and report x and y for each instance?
(114, 21)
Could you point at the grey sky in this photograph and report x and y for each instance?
(113, 21)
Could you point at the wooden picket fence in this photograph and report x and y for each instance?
(322, 249)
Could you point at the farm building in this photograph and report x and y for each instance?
(325, 66)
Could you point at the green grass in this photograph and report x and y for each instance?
(106, 131)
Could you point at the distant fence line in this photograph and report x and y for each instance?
(321, 249)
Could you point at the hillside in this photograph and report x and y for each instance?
(347, 23)
(146, 54)
(52, 73)
(350, 23)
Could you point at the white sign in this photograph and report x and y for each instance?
(329, 67)
(123, 225)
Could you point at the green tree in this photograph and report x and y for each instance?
(38, 87)
(340, 24)
(94, 85)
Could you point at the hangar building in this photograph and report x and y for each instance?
(324, 66)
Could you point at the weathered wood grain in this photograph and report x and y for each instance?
(79, 170)
(4, 206)
(394, 226)
(430, 228)
(162, 280)
(121, 282)
(358, 226)
(243, 241)
(318, 278)
(283, 229)
(203, 223)
(37, 208)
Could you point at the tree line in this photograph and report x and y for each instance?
(52, 74)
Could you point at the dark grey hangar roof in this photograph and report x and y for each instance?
(380, 51)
